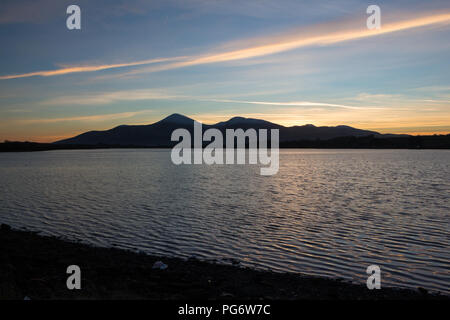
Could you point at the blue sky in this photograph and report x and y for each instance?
(290, 62)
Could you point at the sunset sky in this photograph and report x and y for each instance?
(288, 61)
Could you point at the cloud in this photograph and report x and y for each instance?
(100, 117)
(101, 98)
(437, 101)
(155, 94)
(76, 69)
(433, 89)
(397, 99)
(366, 119)
(298, 39)
(292, 104)
(250, 48)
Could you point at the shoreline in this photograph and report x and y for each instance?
(34, 266)
(424, 142)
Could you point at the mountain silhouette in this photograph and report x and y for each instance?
(159, 133)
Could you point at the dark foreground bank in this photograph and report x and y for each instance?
(35, 266)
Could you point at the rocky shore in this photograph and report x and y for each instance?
(34, 266)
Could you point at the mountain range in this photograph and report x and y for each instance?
(159, 133)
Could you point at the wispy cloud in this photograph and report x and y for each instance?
(396, 99)
(76, 69)
(100, 98)
(290, 41)
(433, 89)
(317, 36)
(293, 104)
(100, 117)
(382, 120)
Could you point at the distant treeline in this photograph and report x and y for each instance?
(367, 142)
(373, 142)
(16, 146)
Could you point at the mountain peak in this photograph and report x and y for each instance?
(237, 121)
(177, 118)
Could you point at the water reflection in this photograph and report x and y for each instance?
(327, 212)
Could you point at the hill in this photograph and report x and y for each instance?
(159, 133)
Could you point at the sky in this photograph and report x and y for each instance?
(291, 62)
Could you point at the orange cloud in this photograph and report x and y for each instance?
(321, 35)
(290, 42)
(100, 117)
(76, 69)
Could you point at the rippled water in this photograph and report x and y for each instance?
(327, 212)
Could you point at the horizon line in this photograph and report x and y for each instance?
(52, 139)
